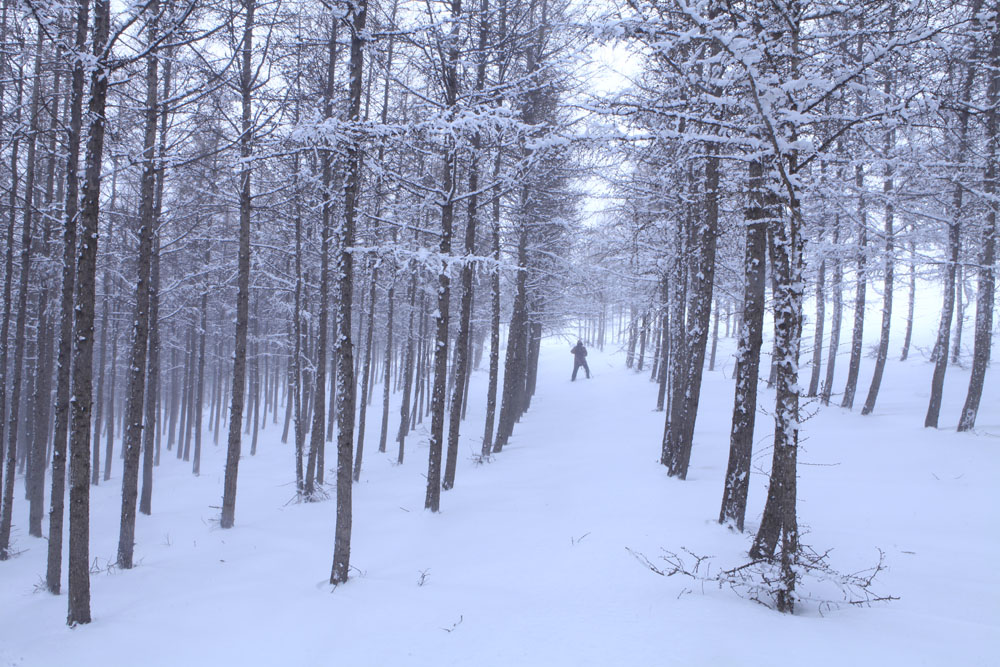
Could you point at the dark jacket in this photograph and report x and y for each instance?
(579, 352)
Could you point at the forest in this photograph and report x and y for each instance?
(353, 237)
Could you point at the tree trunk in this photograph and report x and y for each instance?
(149, 455)
(112, 394)
(83, 333)
(857, 336)
(247, 81)
(432, 501)
(779, 522)
(890, 260)
(836, 317)
(357, 14)
(737, 482)
(366, 380)
(665, 359)
(408, 366)
(715, 337)
(21, 313)
(34, 444)
(135, 395)
(462, 342)
(956, 347)
(940, 353)
(817, 358)
(199, 400)
(515, 363)
(387, 369)
(700, 306)
(188, 422)
(53, 571)
(910, 302)
(491, 391)
(987, 267)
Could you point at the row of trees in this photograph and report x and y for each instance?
(779, 145)
(282, 206)
(260, 206)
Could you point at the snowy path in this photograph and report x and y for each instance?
(527, 562)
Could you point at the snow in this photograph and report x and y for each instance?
(527, 562)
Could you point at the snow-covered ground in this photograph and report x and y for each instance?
(527, 563)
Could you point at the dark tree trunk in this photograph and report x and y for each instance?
(294, 393)
(700, 306)
(135, 395)
(737, 482)
(10, 461)
(387, 368)
(366, 372)
(151, 450)
(101, 367)
(779, 524)
(462, 342)
(408, 364)
(715, 337)
(340, 570)
(817, 356)
(940, 353)
(8, 280)
(633, 335)
(316, 438)
(243, 263)
(836, 317)
(910, 302)
(432, 501)
(53, 571)
(109, 447)
(35, 441)
(149, 455)
(987, 267)
(665, 359)
(199, 400)
(643, 334)
(857, 335)
(677, 343)
(21, 309)
(956, 346)
(83, 334)
(889, 268)
(188, 422)
(515, 364)
(491, 391)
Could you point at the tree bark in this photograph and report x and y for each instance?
(700, 306)
(432, 501)
(737, 481)
(53, 571)
(940, 353)
(462, 347)
(889, 269)
(83, 332)
(857, 336)
(910, 302)
(987, 267)
(491, 390)
(836, 317)
(366, 372)
(357, 15)
(247, 81)
(140, 333)
(6, 516)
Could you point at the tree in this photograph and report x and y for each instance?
(247, 84)
(355, 19)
